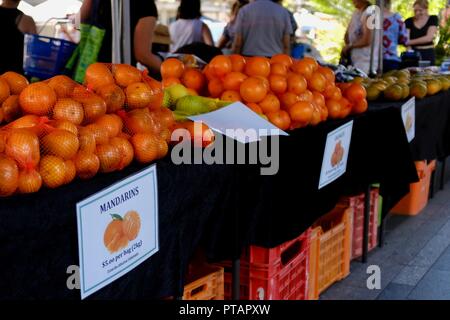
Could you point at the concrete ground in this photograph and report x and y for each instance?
(414, 261)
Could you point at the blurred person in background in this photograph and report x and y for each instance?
(189, 28)
(293, 22)
(13, 23)
(143, 16)
(227, 38)
(445, 15)
(422, 29)
(358, 39)
(263, 28)
(394, 33)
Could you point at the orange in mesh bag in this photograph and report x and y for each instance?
(124, 74)
(97, 75)
(114, 97)
(93, 105)
(64, 125)
(61, 143)
(38, 99)
(109, 156)
(16, 82)
(53, 171)
(68, 109)
(126, 151)
(139, 121)
(87, 164)
(100, 134)
(29, 181)
(11, 109)
(9, 176)
(146, 147)
(86, 137)
(22, 145)
(4, 90)
(62, 85)
(112, 123)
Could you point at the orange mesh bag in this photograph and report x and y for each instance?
(123, 86)
(21, 148)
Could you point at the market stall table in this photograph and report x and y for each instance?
(228, 206)
(432, 132)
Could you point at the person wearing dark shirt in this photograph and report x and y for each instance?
(422, 29)
(13, 23)
(143, 16)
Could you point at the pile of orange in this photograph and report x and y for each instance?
(54, 131)
(290, 93)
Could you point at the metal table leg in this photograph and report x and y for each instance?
(432, 182)
(381, 233)
(366, 224)
(442, 182)
(236, 281)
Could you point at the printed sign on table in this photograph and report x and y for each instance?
(334, 163)
(409, 118)
(117, 230)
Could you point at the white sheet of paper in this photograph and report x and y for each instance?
(409, 118)
(337, 146)
(239, 122)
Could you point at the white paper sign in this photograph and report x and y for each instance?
(334, 163)
(117, 230)
(409, 118)
(239, 122)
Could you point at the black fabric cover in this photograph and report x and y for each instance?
(221, 207)
(432, 138)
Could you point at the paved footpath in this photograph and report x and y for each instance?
(414, 261)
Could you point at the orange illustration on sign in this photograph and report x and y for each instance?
(121, 230)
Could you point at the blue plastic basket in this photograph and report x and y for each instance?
(45, 57)
(298, 51)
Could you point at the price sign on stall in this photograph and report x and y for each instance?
(409, 118)
(117, 230)
(334, 163)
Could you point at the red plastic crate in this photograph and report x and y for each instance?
(357, 204)
(280, 273)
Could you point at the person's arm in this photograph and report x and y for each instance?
(143, 39)
(207, 36)
(223, 41)
(27, 25)
(237, 43)
(85, 10)
(363, 41)
(429, 37)
(287, 44)
(403, 34)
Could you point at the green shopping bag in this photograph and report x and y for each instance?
(86, 52)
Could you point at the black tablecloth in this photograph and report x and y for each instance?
(432, 137)
(274, 209)
(227, 206)
(38, 234)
